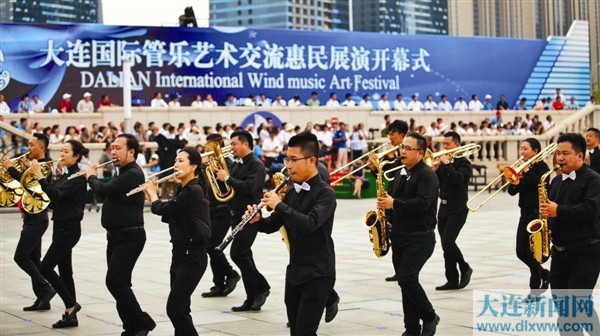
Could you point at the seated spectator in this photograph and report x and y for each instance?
(332, 102)
(65, 105)
(105, 101)
(295, 101)
(383, 104)
(460, 105)
(158, 101)
(522, 105)
(278, 101)
(548, 104)
(263, 100)
(429, 104)
(348, 101)
(209, 101)
(250, 101)
(24, 104)
(365, 102)
(540, 105)
(399, 104)
(37, 106)
(4, 109)
(85, 105)
(502, 104)
(415, 104)
(558, 104)
(592, 101)
(71, 134)
(313, 101)
(571, 105)
(444, 104)
(197, 101)
(549, 123)
(487, 105)
(55, 135)
(174, 101)
(475, 104)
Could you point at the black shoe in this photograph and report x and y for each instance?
(260, 300)
(331, 311)
(429, 327)
(67, 321)
(141, 333)
(406, 333)
(45, 299)
(392, 278)
(447, 286)
(244, 307)
(465, 278)
(230, 284)
(36, 306)
(214, 292)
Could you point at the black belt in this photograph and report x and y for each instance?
(416, 233)
(128, 228)
(575, 246)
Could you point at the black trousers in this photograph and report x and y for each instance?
(450, 222)
(29, 251)
(188, 264)
(409, 257)
(305, 304)
(123, 250)
(60, 252)
(241, 254)
(524, 250)
(220, 220)
(576, 269)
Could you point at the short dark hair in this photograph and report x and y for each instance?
(132, 143)
(214, 136)
(244, 137)
(455, 136)
(595, 130)
(399, 126)
(577, 141)
(78, 149)
(534, 143)
(42, 138)
(307, 142)
(421, 141)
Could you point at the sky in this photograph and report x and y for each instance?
(152, 12)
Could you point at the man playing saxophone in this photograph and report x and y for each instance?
(454, 175)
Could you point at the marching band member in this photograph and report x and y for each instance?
(527, 188)
(123, 219)
(454, 175)
(67, 202)
(592, 138)
(413, 200)
(247, 179)
(189, 225)
(307, 213)
(29, 247)
(225, 278)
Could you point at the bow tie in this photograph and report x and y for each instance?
(300, 187)
(591, 150)
(236, 160)
(403, 171)
(572, 175)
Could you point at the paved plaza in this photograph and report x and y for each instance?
(369, 305)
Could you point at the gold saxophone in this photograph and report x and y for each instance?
(278, 178)
(539, 241)
(375, 219)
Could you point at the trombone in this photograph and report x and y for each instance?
(512, 174)
(349, 164)
(432, 159)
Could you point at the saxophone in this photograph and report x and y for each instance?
(375, 220)
(278, 178)
(539, 241)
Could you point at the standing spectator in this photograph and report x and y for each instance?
(592, 158)
(105, 101)
(313, 101)
(429, 104)
(197, 101)
(460, 105)
(572, 104)
(558, 104)
(24, 105)
(339, 137)
(383, 104)
(86, 105)
(475, 104)
(521, 105)
(272, 147)
(278, 101)
(557, 95)
(348, 102)
(332, 102)
(36, 106)
(158, 101)
(4, 109)
(356, 144)
(209, 101)
(502, 104)
(487, 105)
(415, 104)
(65, 105)
(399, 104)
(444, 104)
(365, 101)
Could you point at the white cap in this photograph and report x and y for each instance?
(87, 94)
(66, 96)
(289, 127)
(488, 96)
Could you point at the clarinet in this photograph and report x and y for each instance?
(247, 219)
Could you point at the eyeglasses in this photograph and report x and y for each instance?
(287, 160)
(408, 149)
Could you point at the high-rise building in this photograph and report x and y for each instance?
(401, 16)
(51, 11)
(293, 14)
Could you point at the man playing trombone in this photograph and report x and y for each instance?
(454, 175)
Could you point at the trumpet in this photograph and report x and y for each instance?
(432, 159)
(379, 156)
(512, 174)
(143, 187)
(82, 172)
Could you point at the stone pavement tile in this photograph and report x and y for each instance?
(248, 327)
